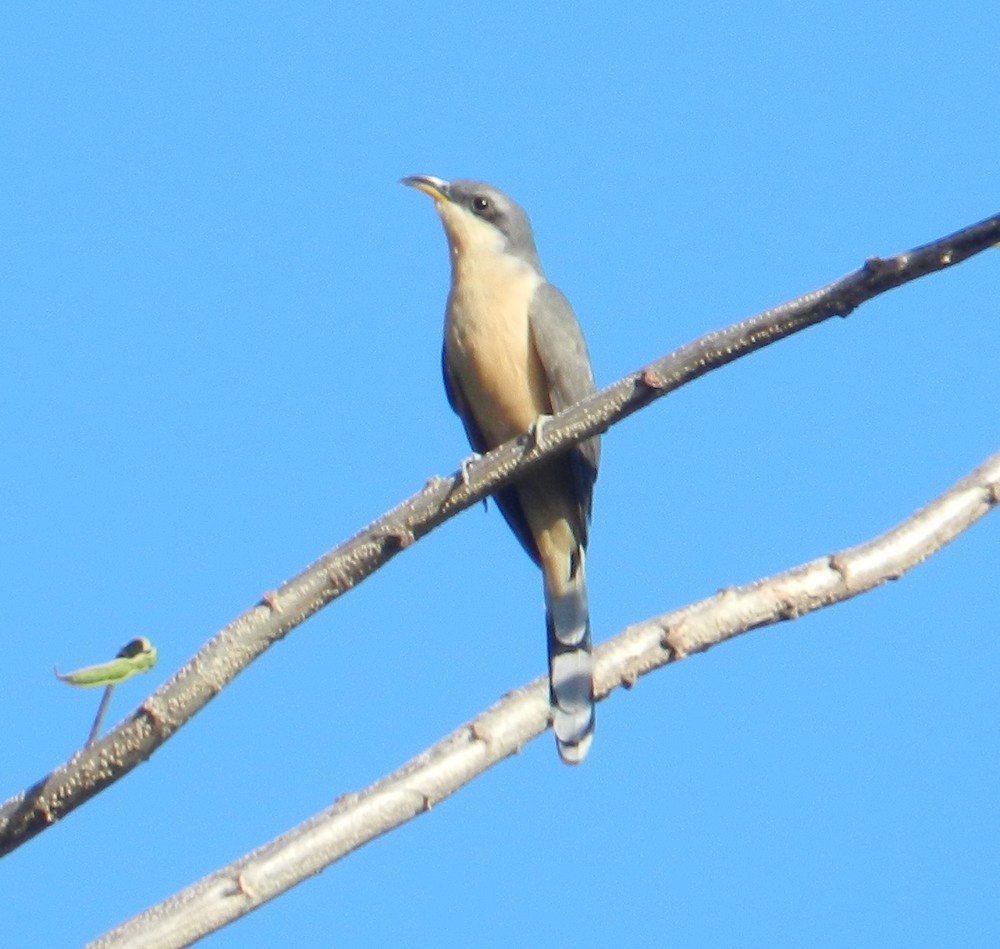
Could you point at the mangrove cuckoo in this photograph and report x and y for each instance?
(513, 354)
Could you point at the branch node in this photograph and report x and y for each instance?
(41, 808)
(270, 600)
(426, 802)
(652, 379)
(479, 733)
(347, 799)
(675, 652)
(156, 721)
(836, 564)
(244, 889)
(786, 610)
(399, 538)
(881, 266)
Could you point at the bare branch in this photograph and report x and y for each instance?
(523, 715)
(279, 611)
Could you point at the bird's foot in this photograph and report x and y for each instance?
(537, 430)
(463, 468)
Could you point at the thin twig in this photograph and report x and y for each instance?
(102, 709)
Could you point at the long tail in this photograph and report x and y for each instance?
(571, 668)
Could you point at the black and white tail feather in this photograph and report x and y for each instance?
(571, 666)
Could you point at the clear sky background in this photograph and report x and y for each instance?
(219, 357)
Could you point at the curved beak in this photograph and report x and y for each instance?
(436, 188)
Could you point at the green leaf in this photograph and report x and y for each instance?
(137, 655)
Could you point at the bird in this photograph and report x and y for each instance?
(514, 354)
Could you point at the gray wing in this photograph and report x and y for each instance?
(563, 353)
(506, 498)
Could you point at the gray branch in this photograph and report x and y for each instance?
(523, 715)
(279, 611)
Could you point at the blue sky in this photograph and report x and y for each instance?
(220, 357)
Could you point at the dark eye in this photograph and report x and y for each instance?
(480, 204)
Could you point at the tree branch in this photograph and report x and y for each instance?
(523, 715)
(233, 648)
